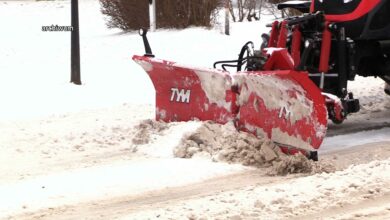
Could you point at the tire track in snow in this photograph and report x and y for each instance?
(375, 208)
(111, 207)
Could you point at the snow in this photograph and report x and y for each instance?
(130, 178)
(35, 65)
(215, 84)
(63, 144)
(278, 96)
(168, 140)
(360, 138)
(370, 92)
(294, 198)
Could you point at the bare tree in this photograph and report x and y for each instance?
(253, 9)
(269, 8)
(246, 9)
(260, 7)
(230, 5)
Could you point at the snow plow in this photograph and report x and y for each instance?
(289, 88)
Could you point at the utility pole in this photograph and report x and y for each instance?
(75, 44)
(152, 14)
(227, 21)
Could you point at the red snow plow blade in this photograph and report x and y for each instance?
(283, 105)
(184, 94)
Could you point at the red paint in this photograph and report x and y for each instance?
(325, 49)
(364, 7)
(255, 113)
(165, 76)
(296, 46)
(312, 6)
(274, 34)
(279, 59)
(282, 35)
(334, 104)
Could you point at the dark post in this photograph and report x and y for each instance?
(227, 21)
(75, 44)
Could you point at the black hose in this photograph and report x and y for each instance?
(240, 61)
(227, 65)
(241, 55)
(226, 62)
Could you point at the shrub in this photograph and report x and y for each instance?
(134, 14)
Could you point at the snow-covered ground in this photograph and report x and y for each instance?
(35, 66)
(91, 151)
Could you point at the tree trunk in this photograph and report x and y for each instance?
(227, 20)
(231, 10)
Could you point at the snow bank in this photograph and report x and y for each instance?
(224, 143)
(370, 92)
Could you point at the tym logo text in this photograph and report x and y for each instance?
(180, 95)
(285, 112)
